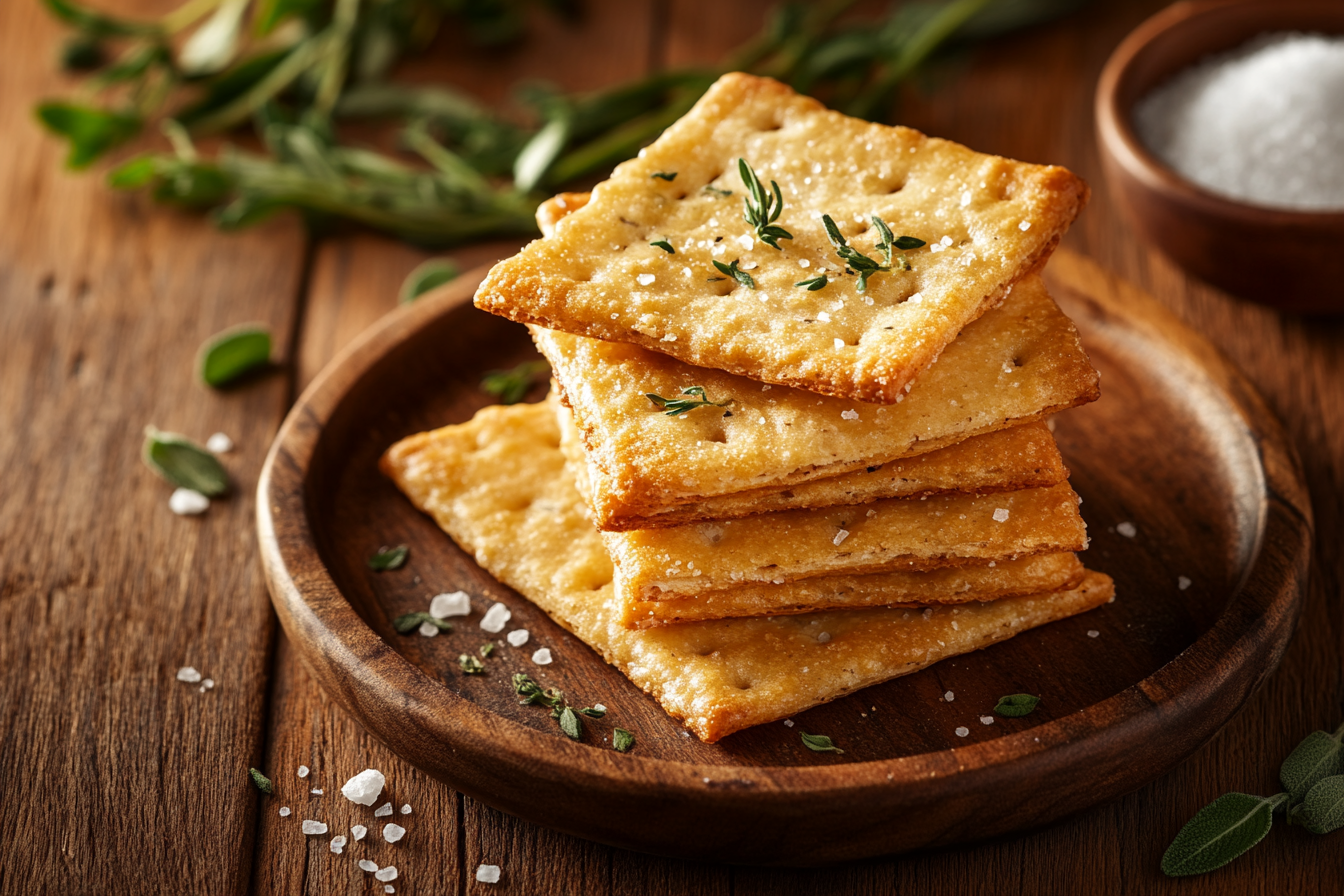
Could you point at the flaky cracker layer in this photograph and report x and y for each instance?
(497, 485)
(988, 221)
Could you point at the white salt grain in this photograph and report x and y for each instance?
(488, 874)
(383, 811)
(393, 832)
(1127, 530)
(316, 790)
(185, 502)
(406, 809)
(219, 443)
(986, 720)
(303, 771)
(451, 603)
(850, 415)
(364, 787)
(518, 637)
(188, 674)
(788, 723)
(338, 843)
(645, 279)
(840, 537)
(313, 827)
(1001, 515)
(207, 684)
(389, 889)
(542, 657)
(1025, 225)
(366, 865)
(963, 731)
(358, 831)
(428, 629)
(839, 343)
(1093, 633)
(1182, 583)
(284, 811)
(824, 638)
(949, 696)
(495, 618)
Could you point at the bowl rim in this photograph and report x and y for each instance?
(1118, 138)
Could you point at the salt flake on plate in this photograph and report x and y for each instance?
(488, 874)
(495, 618)
(358, 831)
(1127, 529)
(383, 811)
(393, 832)
(542, 657)
(366, 865)
(314, 827)
(454, 603)
(188, 674)
(518, 637)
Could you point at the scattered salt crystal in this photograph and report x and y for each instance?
(338, 843)
(963, 731)
(358, 831)
(839, 343)
(382, 811)
(599, 707)
(946, 241)
(207, 684)
(788, 723)
(219, 443)
(488, 874)
(850, 414)
(366, 865)
(303, 771)
(949, 696)
(804, 263)
(928, 613)
(1001, 515)
(364, 787)
(185, 502)
(1024, 226)
(824, 317)
(389, 889)
(1182, 583)
(188, 674)
(824, 638)
(393, 832)
(406, 809)
(1093, 633)
(451, 603)
(1127, 530)
(284, 811)
(840, 537)
(495, 618)
(986, 720)
(313, 827)
(750, 266)
(316, 790)
(965, 198)
(542, 656)
(645, 279)
(428, 629)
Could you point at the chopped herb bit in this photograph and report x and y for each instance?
(740, 276)
(819, 743)
(715, 191)
(228, 356)
(814, 284)
(470, 664)
(762, 209)
(511, 386)
(409, 622)
(664, 245)
(665, 175)
(675, 407)
(389, 558)
(532, 693)
(571, 724)
(427, 275)
(1016, 705)
(622, 740)
(487, 648)
(861, 264)
(593, 712)
(184, 463)
(261, 782)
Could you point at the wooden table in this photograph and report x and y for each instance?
(118, 778)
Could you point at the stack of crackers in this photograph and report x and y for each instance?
(797, 438)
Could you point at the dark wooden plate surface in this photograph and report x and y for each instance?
(1180, 446)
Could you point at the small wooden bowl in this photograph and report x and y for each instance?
(1288, 259)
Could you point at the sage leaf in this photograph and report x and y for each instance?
(409, 622)
(1323, 809)
(570, 724)
(622, 740)
(1319, 756)
(91, 132)
(389, 558)
(428, 275)
(512, 386)
(1221, 831)
(261, 782)
(470, 664)
(228, 356)
(184, 463)
(1017, 705)
(819, 743)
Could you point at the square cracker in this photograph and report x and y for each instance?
(497, 485)
(599, 276)
(1019, 363)
(952, 585)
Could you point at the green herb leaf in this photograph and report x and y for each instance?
(426, 276)
(532, 693)
(1323, 809)
(623, 741)
(470, 664)
(571, 724)
(665, 175)
(593, 712)
(487, 648)
(184, 463)
(511, 386)
(907, 242)
(664, 245)
(813, 284)
(230, 355)
(675, 407)
(409, 622)
(740, 276)
(762, 208)
(1319, 756)
(1016, 705)
(716, 192)
(261, 782)
(91, 132)
(819, 743)
(389, 558)
(98, 24)
(861, 264)
(1221, 831)
(83, 53)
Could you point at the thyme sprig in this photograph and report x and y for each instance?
(861, 264)
(532, 694)
(675, 407)
(732, 270)
(762, 209)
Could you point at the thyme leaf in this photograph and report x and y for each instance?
(732, 271)
(623, 741)
(664, 245)
(665, 175)
(675, 407)
(819, 743)
(389, 558)
(813, 284)
(571, 724)
(409, 622)
(1015, 706)
(762, 208)
(511, 386)
(470, 665)
(261, 782)
(863, 265)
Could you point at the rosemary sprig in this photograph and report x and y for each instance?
(675, 407)
(762, 209)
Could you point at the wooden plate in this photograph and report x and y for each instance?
(1180, 446)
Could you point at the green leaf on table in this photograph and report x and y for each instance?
(622, 740)
(97, 24)
(1319, 756)
(1016, 705)
(571, 724)
(270, 13)
(184, 463)
(389, 558)
(1323, 809)
(91, 131)
(1221, 831)
(260, 781)
(233, 353)
(83, 53)
(511, 386)
(426, 276)
(470, 664)
(409, 622)
(819, 743)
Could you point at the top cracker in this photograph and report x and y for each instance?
(986, 221)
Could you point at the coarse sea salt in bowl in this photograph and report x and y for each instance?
(1236, 230)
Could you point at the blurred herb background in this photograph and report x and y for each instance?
(313, 80)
